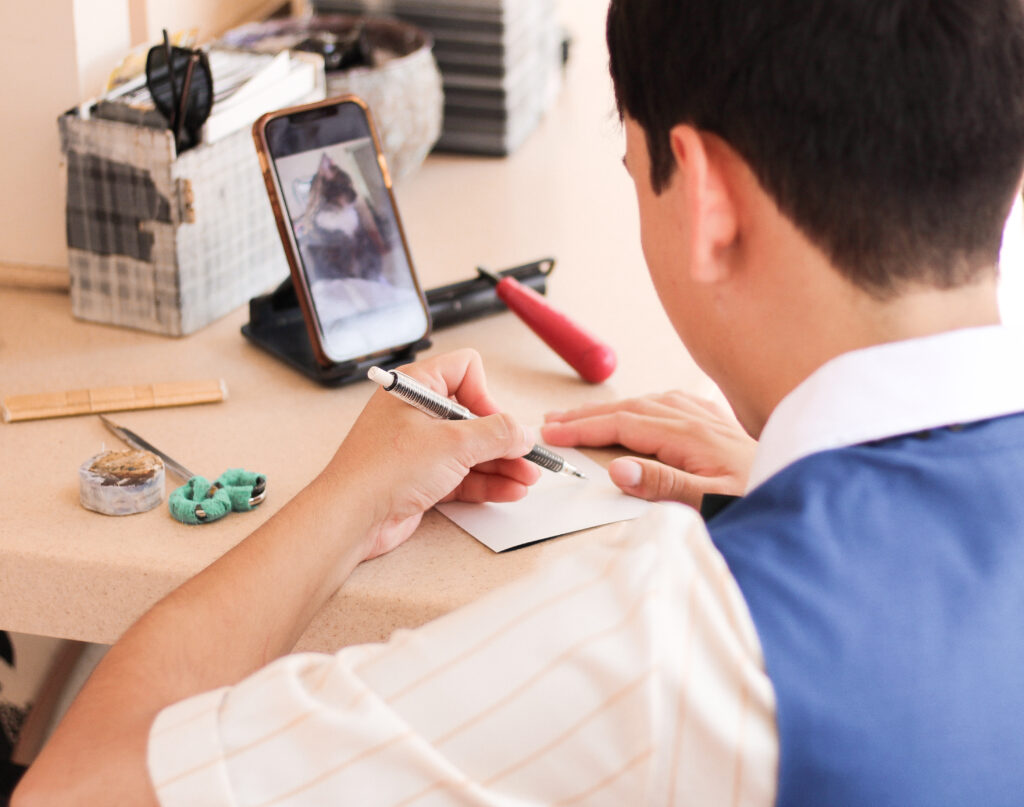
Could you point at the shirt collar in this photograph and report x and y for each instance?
(895, 388)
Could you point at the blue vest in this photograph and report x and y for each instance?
(886, 582)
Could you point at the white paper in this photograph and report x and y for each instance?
(557, 504)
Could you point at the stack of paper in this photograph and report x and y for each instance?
(245, 85)
(500, 62)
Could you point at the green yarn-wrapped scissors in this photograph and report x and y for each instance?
(200, 501)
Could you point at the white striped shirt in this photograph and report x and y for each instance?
(628, 673)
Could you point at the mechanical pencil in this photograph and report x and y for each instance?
(426, 400)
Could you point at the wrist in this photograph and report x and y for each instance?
(343, 510)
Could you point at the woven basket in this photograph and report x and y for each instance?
(402, 89)
(164, 243)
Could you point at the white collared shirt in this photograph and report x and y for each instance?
(895, 388)
(628, 673)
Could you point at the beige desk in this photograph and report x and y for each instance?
(71, 573)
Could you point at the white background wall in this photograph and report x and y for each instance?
(53, 55)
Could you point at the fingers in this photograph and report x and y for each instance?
(657, 482)
(491, 448)
(491, 445)
(640, 406)
(497, 436)
(666, 404)
(458, 374)
(705, 447)
(479, 487)
(518, 469)
(683, 400)
(501, 480)
(637, 432)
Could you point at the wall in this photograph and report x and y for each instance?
(53, 55)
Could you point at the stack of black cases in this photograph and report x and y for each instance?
(500, 62)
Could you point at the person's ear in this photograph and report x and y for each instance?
(709, 204)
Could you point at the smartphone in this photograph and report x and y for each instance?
(330, 191)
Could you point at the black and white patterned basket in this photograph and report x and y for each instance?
(160, 242)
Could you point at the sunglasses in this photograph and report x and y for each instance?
(181, 84)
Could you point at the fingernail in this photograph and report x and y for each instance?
(527, 434)
(625, 473)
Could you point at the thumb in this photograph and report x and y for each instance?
(657, 482)
(492, 437)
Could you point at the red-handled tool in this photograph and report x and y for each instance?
(592, 359)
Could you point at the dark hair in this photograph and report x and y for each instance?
(891, 132)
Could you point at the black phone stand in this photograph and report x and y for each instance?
(276, 323)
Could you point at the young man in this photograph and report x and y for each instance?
(822, 187)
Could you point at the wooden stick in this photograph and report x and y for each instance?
(111, 399)
(40, 278)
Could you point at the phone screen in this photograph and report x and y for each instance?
(345, 231)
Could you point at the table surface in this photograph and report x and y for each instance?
(71, 573)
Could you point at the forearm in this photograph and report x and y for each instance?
(244, 610)
(251, 605)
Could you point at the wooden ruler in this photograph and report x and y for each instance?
(111, 399)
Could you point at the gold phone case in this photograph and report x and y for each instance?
(284, 225)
